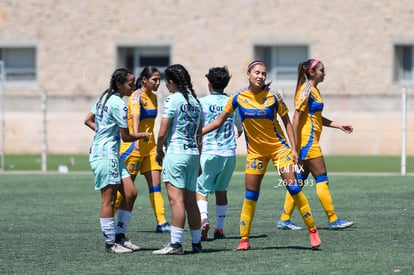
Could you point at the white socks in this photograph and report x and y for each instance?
(122, 221)
(108, 229)
(221, 211)
(176, 234)
(203, 206)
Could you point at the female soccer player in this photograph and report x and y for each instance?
(180, 133)
(139, 156)
(218, 156)
(108, 118)
(258, 108)
(307, 123)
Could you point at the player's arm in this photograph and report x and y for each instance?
(129, 137)
(162, 137)
(296, 118)
(135, 127)
(215, 124)
(90, 120)
(291, 136)
(347, 128)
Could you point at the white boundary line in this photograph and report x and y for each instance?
(364, 174)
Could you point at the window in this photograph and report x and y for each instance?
(282, 61)
(136, 58)
(404, 63)
(19, 63)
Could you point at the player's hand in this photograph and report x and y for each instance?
(346, 128)
(159, 157)
(295, 156)
(146, 136)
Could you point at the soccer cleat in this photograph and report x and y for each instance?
(197, 248)
(340, 224)
(204, 229)
(116, 248)
(218, 234)
(289, 225)
(170, 249)
(244, 245)
(125, 242)
(314, 238)
(165, 227)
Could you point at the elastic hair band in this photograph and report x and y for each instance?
(315, 61)
(254, 64)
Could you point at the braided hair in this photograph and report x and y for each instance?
(180, 77)
(118, 76)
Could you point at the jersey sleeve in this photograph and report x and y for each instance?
(169, 107)
(134, 106)
(120, 114)
(231, 104)
(282, 109)
(302, 97)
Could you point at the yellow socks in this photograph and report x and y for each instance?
(247, 214)
(324, 195)
(157, 203)
(288, 207)
(302, 203)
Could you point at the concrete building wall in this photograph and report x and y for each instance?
(76, 45)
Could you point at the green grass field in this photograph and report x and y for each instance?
(50, 225)
(390, 164)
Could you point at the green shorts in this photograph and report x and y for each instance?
(181, 170)
(216, 173)
(108, 171)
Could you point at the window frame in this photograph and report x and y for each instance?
(397, 68)
(146, 48)
(274, 44)
(30, 44)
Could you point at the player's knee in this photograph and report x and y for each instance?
(251, 195)
(321, 178)
(294, 189)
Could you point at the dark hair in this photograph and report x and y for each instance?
(303, 71)
(180, 77)
(219, 77)
(147, 72)
(118, 76)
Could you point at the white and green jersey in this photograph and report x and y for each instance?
(106, 142)
(185, 120)
(223, 140)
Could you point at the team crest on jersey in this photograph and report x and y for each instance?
(245, 101)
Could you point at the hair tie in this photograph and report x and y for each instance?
(315, 61)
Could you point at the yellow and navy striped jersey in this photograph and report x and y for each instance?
(309, 101)
(258, 113)
(145, 106)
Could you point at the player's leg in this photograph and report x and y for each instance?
(301, 202)
(318, 169)
(252, 183)
(152, 173)
(205, 185)
(124, 213)
(221, 187)
(285, 221)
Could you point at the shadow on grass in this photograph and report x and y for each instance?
(236, 238)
